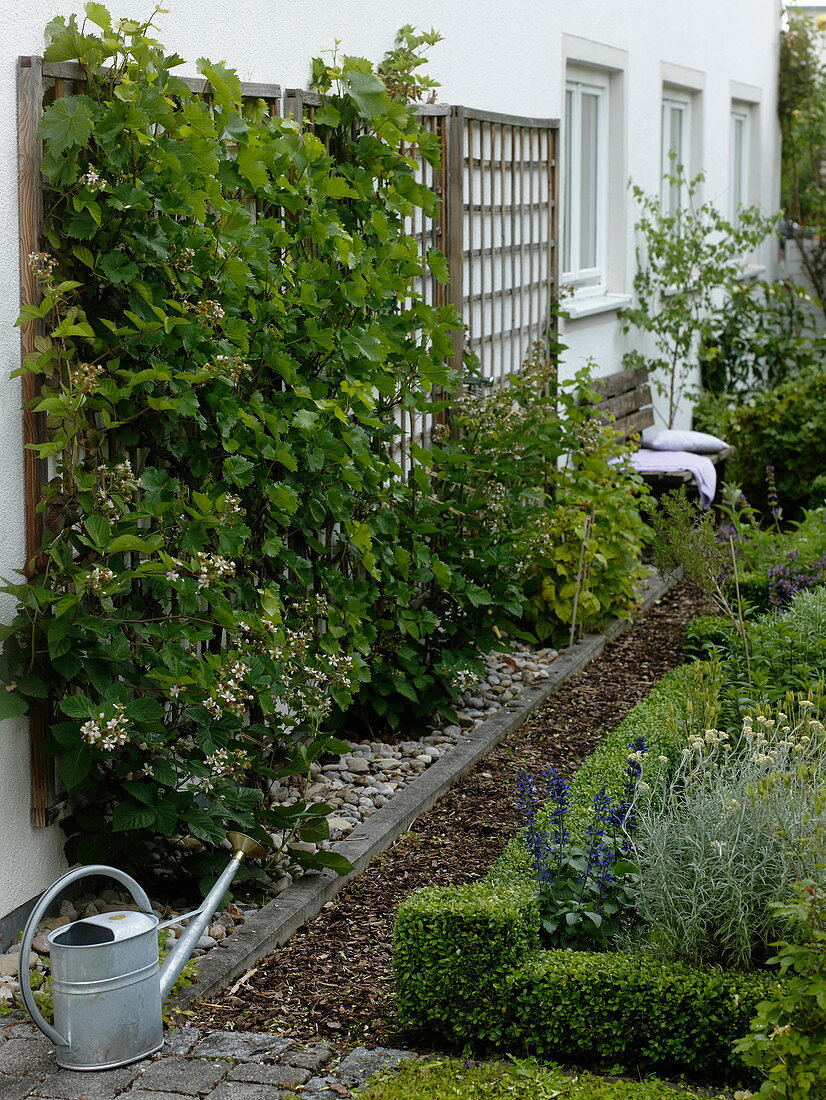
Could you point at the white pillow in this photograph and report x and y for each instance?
(698, 443)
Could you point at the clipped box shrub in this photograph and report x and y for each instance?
(455, 950)
(653, 720)
(632, 1009)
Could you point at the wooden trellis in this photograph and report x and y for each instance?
(496, 222)
(430, 232)
(508, 235)
(497, 226)
(38, 84)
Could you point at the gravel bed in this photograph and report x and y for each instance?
(363, 780)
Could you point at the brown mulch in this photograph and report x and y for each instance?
(334, 979)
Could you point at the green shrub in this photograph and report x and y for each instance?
(467, 967)
(632, 1009)
(755, 591)
(761, 334)
(764, 656)
(582, 563)
(455, 948)
(800, 109)
(787, 654)
(223, 329)
(687, 537)
(817, 492)
(759, 549)
(707, 636)
(470, 544)
(783, 659)
(784, 428)
(715, 412)
(773, 564)
(787, 1038)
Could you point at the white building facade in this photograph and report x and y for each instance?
(628, 81)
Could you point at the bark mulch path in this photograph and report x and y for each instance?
(334, 979)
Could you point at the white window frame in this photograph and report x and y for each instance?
(740, 159)
(672, 197)
(593, 279)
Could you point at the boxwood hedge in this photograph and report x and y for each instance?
(632, 1009)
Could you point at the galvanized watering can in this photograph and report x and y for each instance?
(107, 986)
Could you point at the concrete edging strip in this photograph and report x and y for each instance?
(273, 924)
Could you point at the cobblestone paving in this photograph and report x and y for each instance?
(219, 1065)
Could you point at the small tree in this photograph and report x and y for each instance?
(685, 258)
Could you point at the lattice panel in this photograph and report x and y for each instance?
(509, 237)
(38, 85)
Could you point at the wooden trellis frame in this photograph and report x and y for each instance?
(38, 81)
(496, 223)
(509, 233)
(428, 232)
(498, 189)
(497, 226)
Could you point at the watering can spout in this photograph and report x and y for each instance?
(244, 847)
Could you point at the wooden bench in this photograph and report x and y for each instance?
(626, 404)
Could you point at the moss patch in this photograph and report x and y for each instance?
(515, 1080)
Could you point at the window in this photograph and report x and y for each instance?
(585, 207)
(740, 159)
(676, 147)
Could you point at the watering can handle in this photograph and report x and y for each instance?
(37, 915)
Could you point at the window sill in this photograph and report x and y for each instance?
(575, 308)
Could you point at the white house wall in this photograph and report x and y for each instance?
(503, 60)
